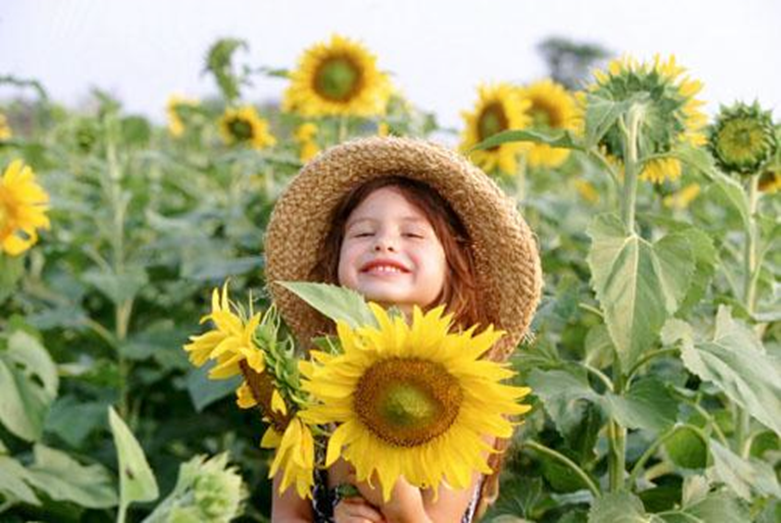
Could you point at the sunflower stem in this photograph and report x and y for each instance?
(122, 310)
(568, 462)
(342, 128)
(750, 268)
(520, 180)
(616, 456)
(631, 135)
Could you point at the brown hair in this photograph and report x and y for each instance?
(459, 294)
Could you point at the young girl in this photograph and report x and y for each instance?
(404, 223)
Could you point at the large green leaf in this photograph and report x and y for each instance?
(64, 479)
(638, 284)
(736, 362)
(28, 385)
(743, 476)
(647, 404)
(12, 482)
(337, 303)
(618, 507)
(136, 480)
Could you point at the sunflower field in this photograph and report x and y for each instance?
(655, 360)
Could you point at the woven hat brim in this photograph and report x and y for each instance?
(509, 277)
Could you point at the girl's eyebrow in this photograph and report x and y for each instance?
(413, 219)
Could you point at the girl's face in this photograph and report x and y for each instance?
(390, 252)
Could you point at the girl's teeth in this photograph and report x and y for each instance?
(385, 268)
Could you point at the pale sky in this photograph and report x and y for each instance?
(438, 50)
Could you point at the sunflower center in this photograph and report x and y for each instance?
(740, 140)
(544, 116)
(240, 129)
(407, 402)
(338, 79)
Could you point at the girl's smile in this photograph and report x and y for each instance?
(390, 252)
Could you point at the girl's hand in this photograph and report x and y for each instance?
(356, 510)
(405, 503)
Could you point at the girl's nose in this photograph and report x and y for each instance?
(384, 243)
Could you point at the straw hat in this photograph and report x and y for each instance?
(507, 262)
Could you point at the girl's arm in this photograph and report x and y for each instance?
(288, 507)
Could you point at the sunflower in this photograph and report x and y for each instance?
(23, 206)
(672, 113)
(295, 455)
(175, 123)
(230, 343)
(499, 108)
(412, 400)
(681, 199)
(338, 78)
(552, 107)
(5, 129)
(242, 125)
(743, 138)
(587, 191)
(305, 136)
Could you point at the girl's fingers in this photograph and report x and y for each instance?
(356, 510)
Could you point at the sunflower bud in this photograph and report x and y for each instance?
(206, 491)
(742, 139)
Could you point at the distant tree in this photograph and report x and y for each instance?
(569, 62)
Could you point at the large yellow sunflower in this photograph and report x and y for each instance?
(498, 108)
(295, 455)
(552, 107)
(243, 125)
(230, 343)
(672, 114)
(23, 206)
(338, 78)
(412, 400)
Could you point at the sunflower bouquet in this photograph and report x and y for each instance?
(393, 397)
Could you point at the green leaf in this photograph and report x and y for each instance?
(686, 448)
(337, 303)
(11, 269)
(696, 158)
(204, 392)
(618, 507)
(648, 405)
(741, 475)
(736, 362)
(219, 268)
(701, 506)
(28, 385)
(64, 479)
(733, 194)
(564, 394)
(73, 420)
(12, 482)
(136, 480)
(638, 284)
(554, 138)
(705, 259)
(117, 287)
(602, 114)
